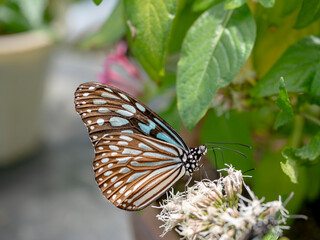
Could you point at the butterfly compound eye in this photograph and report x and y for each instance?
(203, 149)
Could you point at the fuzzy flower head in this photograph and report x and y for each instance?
(217, 210)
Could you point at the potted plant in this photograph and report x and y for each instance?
(25, 46)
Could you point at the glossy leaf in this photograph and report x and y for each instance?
(310, 11)
(298, 65)
(149, 27)
(286, 112)
(214, 49)
(267, 3)
(231, 4)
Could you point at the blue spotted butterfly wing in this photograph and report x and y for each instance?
(137, 154)
(105, 109)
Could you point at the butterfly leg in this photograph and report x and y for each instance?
(221, 154)
(187, 183)
(215, 157)
(204, 170)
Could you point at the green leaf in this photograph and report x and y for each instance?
(185, 17)
(214, 49)
(267, 3)
(276, 33)
(310, 11)
(298, 65)
(202, 5)
(150, 24)
(290, 6)
(112, 30)
(231, 4)
(310, 151)
(296, 156)
(286, 113)
(290, 166)
(97, 2)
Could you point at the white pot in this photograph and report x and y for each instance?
(23, 63)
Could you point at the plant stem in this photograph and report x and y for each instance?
(296, 135)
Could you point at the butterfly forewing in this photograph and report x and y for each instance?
(105, 109)
(133, 170)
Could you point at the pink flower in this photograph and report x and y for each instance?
(119, 72)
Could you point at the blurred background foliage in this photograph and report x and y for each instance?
(20, 16)
(235, 71)
(249, 70)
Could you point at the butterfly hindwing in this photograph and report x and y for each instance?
(138, 156)
(105, 109)
(133, 170)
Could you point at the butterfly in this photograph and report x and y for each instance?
(138, 156)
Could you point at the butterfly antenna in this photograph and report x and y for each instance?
(249, 170)
(215, 156)
(233, 150)
(216, 143)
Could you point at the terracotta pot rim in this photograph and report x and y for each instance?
(25, 41)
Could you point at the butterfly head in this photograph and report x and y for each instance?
(193, 158)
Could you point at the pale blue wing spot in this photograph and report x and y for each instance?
(129, 108)
(118, 121)
(173, 134)
(168, 139)
(131, 151)
(140, 107)
(145, 128)
(127, 131)
(137, 175)
(124, 113)
(108, 95)
(149, 164)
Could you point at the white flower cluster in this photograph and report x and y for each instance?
(216, 210)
